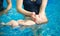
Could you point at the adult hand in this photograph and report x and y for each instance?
(41, 18)
(33, 16)
(5, 11)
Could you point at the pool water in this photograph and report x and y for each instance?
(52, 28)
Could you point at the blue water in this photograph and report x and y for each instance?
(52, 28)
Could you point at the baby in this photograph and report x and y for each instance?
(36, 19)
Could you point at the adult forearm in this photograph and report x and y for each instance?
(43, 5)
(21, 10)
(9, 7)
(25, 12)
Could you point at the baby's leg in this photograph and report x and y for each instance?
(26, 22)
(13, 23)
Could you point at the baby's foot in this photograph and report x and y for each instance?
(26, 22)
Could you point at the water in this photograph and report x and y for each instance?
(52, 28)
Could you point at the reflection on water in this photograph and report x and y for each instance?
(35, 29)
